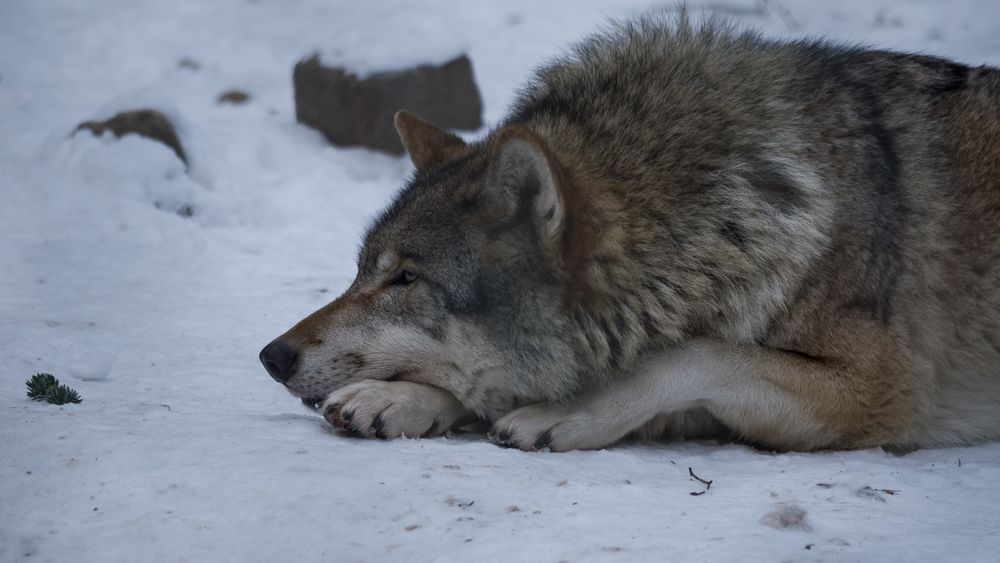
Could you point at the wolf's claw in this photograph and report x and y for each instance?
(500, 437)
(550, 427)
(392, 409)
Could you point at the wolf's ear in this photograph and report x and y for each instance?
(426, 144)
(524, 183)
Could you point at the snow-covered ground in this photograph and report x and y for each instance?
(184, 449)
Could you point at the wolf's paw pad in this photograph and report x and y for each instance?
(390, 409)
(541, 426)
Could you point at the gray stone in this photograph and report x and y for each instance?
(353, 111)
(148, 123)
(233, 97)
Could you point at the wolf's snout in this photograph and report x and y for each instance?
(278, 358)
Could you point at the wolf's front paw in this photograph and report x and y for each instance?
(392, 409)
(556, 427)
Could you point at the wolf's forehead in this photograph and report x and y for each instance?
(376, 256)
(385, 260)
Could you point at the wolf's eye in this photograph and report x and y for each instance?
(405, 277)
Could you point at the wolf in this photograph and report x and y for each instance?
(685, 230)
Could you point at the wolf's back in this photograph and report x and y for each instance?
(858, 184)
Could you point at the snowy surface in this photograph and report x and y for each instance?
(184, 450)
(418, 38)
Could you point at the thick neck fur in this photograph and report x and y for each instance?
(616, 307)
(673, 195)
(654, 259)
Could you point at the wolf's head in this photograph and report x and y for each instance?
(460, 284)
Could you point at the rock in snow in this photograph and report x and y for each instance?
(148, 123)
(352, 111)
(233, 97)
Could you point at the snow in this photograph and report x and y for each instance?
(89, 365)
(416, 33)
(183, 448)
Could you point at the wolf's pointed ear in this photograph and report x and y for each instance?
(525, 183)
(426, 144)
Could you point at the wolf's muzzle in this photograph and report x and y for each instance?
(278, 359)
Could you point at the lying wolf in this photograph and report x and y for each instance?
(685, 230)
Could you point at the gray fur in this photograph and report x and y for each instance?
(823, 217)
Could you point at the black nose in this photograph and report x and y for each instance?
(278, 358)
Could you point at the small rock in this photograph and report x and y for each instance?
(452, 501)
(147, 123)
(187, 63)
(234, 97)
(354, 111)
(185, 211)
(870, 493)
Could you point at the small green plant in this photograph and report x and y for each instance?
(45, 387)
(39, 385)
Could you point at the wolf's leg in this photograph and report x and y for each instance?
(772, 397)
(391, 409)
(690, 424)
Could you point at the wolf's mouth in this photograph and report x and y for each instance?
(312, 403)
